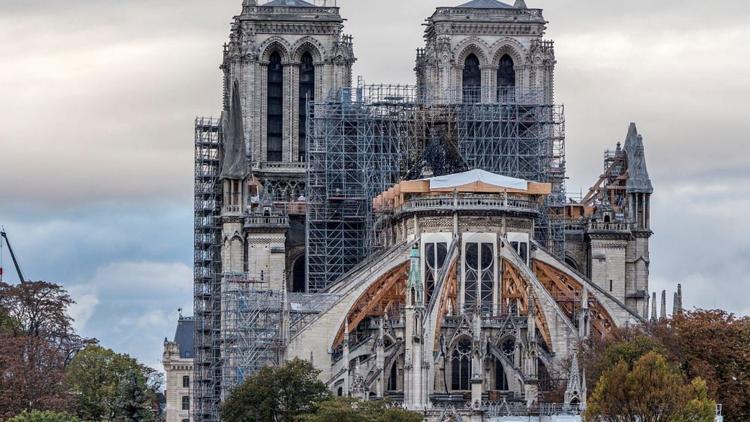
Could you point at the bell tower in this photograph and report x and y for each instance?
(486, 51)
(284, 54)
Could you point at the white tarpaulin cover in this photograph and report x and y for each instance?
(472, 176)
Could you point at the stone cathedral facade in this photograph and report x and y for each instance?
(460, 312)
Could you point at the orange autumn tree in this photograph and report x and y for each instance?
(713, 345)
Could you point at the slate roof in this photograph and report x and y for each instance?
(638, 179)
(486, 4)
(183, 336)
(289, 3)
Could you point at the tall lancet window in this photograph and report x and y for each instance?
(472, 80)
(306, 93)
(506, 79)
(275, 104)
(461, 365)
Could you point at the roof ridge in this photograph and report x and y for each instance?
(486, 4)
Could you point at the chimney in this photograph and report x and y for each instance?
(663, 313)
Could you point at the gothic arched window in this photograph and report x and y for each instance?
(298, 275)
(472, 79)
(275, 112)
(435, 254)
(501, 380)
(461, 366)
(306, 93)
(393, 378)
(506, 79)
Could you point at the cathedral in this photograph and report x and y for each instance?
(414, 243)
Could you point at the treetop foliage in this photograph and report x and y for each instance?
(650, 391)
(710, 345)
(293, 392)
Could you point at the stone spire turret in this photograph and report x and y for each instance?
(677, 304)
(414, 282)
(575, 393)
(663, 312)
(584, 316)
(520, 4)
(653, 308)
(638, 179)
(234, 165)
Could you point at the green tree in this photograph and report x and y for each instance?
(627, 344)
(649, 391)
(276, 394)
(46, 416)
(109, 385)
(353, 410)
(133, 402)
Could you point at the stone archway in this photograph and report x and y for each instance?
(297, 277)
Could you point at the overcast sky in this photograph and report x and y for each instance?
(99, 96)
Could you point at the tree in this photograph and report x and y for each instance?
(107, 384)
(37, 416)
(713, 345)
(37, 340)
(276, 394)
(625, 344)
(38, 307)
(649, 391)
(31, 376)
(353, 410)
(133, 401)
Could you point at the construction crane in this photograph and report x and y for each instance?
(3, 235)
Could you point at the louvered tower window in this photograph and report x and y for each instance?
(306, 93)
(472, 79)
(275, 117)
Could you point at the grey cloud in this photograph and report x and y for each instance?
(116, 84)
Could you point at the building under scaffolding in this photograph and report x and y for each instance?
(363, 140)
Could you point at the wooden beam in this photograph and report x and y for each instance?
(375, 300)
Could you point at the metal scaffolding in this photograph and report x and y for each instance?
(251, 329)
(363, 140)
(207, 269)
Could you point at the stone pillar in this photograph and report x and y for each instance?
(345, 359)
(293, 147)
(477, 363)
(380, 359)
(489, 83)
(261, 149)
(288, 107)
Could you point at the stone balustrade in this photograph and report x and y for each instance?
(468, 203)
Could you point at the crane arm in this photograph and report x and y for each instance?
(13, 256)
